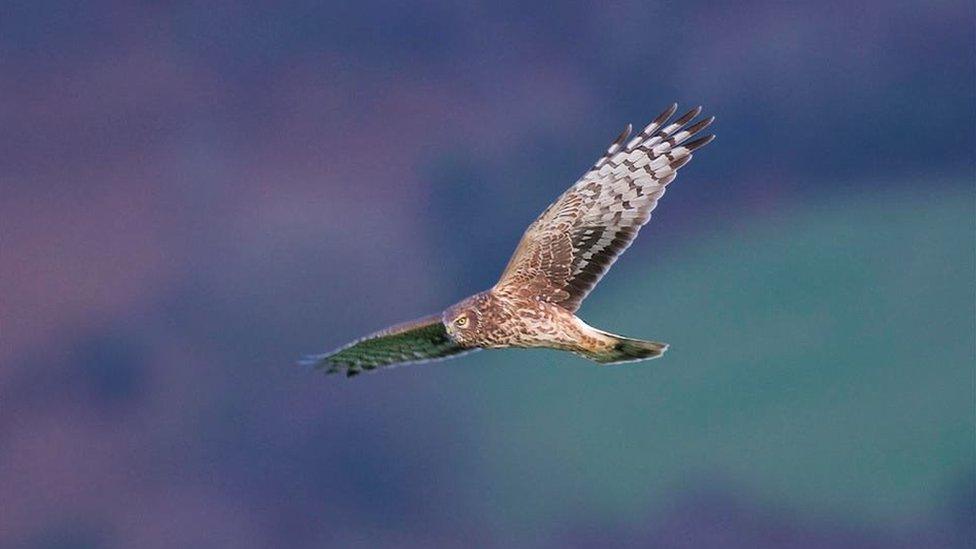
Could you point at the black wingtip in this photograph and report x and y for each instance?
(320, 363)
(622, 137)
(700, 125)
(666, 114)
(700, 142)
(688, 116)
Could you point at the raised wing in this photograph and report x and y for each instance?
(566, 251)
(420, 340)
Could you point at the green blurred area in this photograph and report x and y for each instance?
(821, 360)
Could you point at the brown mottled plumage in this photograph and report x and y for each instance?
(559, 260)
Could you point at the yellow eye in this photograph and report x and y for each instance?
(461, 321)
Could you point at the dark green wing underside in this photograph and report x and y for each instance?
(416, 341)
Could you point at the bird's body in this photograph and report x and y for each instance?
(561, 257)
(507, 319)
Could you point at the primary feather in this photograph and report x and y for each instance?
(569, 248)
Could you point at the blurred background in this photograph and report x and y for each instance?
(195, 195)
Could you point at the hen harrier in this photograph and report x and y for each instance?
(561, 257)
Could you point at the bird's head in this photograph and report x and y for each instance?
(465, 320)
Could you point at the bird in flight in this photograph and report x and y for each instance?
(561, 257)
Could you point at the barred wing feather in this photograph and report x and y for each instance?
(569, 248)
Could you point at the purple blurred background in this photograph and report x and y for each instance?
(195, 195)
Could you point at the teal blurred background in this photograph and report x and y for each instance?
(196, 195)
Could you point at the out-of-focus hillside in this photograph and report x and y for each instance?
(821, 359)
(194, 195)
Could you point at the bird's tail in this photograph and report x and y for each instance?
(624, 349)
